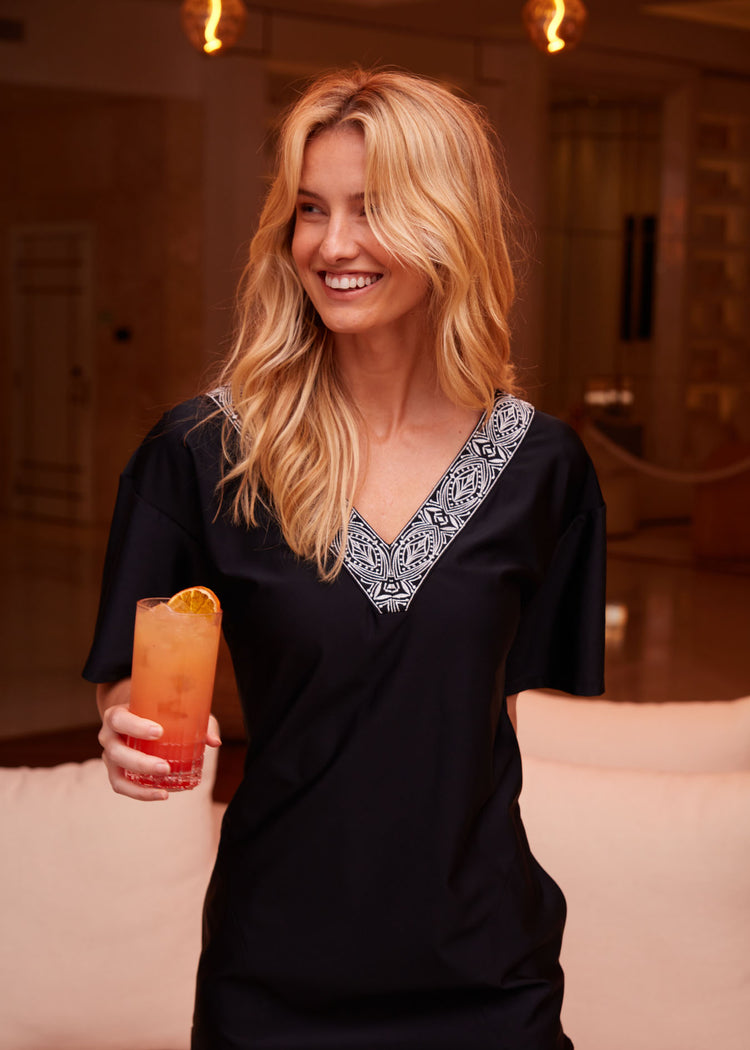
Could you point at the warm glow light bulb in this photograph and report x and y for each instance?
(554, 25)
(213, 26)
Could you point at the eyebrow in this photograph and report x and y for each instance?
(302, 192)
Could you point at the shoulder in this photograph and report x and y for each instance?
(184, 442)
(553, 456)
(551, 438)
(558, 440)
(187, 421)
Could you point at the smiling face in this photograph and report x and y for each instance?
(355, 284)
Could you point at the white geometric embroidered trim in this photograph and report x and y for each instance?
(222, 397)
(390, 574)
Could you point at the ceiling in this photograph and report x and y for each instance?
(713, 34)
(731, 14)
(502, 17)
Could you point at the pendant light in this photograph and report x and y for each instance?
(554, 25)
(213, 26)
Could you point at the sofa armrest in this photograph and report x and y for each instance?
(672, 737)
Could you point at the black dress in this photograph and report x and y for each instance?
(374, 889)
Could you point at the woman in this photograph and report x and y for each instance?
(400, 546)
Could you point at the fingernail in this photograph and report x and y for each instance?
(154, 731)
(162, 767)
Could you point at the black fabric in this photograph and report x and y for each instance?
(374, 887)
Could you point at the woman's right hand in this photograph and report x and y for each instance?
(118, 723)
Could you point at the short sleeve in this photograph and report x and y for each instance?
(155, 546)
(560, 639)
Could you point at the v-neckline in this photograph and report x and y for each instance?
(390, 574)
(390, 543)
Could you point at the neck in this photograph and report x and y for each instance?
(389, 385)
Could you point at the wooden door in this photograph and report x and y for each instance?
(52, 331)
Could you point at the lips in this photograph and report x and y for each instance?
(346, 281)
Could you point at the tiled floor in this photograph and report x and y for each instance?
(687, 635)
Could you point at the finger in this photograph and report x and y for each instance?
(213, 738)
(123, 786)
(131, 760)
(123, 722)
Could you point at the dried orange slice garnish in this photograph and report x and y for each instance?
(200, 600)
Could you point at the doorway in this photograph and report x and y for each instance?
(51, 401)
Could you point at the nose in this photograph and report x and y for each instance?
(339, 241)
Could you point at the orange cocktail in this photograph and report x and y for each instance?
(174, 664)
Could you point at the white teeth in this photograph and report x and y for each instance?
(344, 283)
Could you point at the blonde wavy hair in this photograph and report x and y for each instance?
(435, 196)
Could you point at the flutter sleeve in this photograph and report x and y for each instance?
(155, 544)
(560, 639)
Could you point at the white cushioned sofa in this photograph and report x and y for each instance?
(642, 814)
(640, 811)
(101, 910)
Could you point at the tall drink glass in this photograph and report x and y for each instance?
(174, 664)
